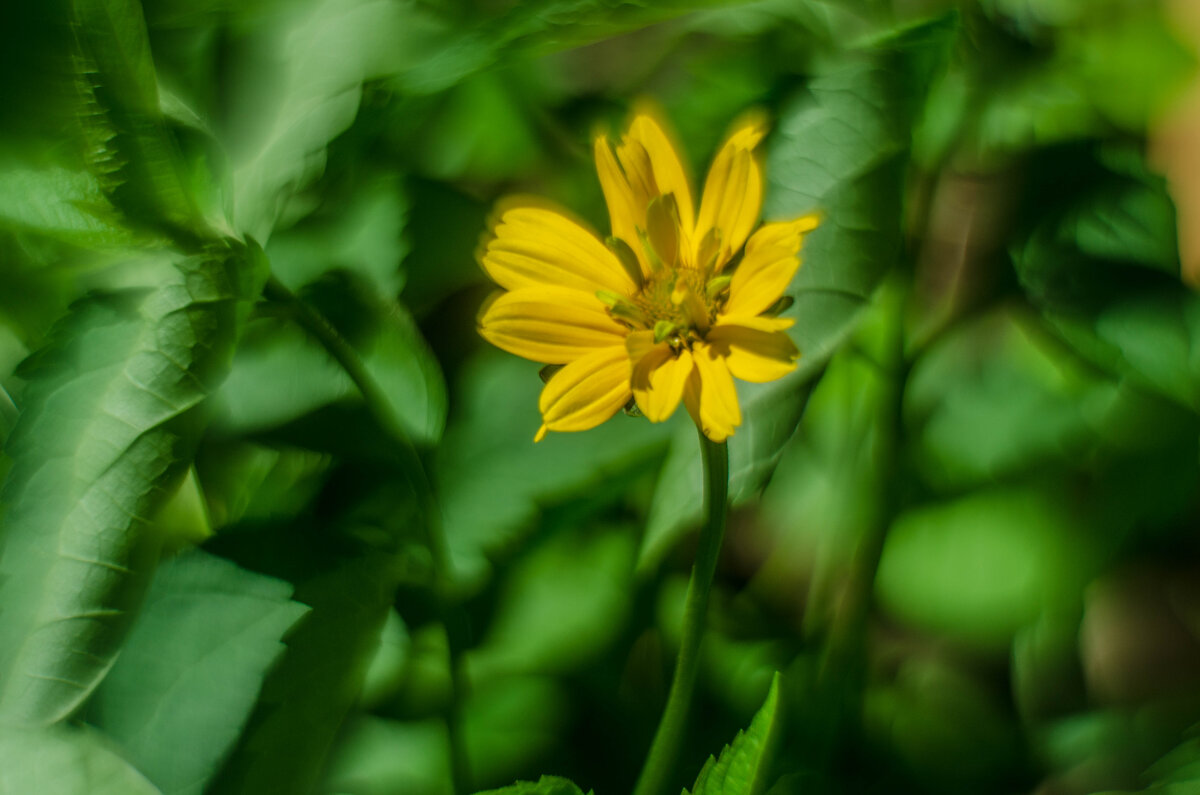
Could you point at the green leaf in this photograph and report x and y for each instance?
(546, 785)
(309, 693)
(1104, 271)
(559, 606)
(1029, 401)
(492, 477)
(365, 235)
(306, 377)
(284, 107)
(129, 132)
(840, 147)
(743, 766)
(8, 415)
(68, 206)
(190, 672)
(508, 725)
(107, 429)
(65, 761)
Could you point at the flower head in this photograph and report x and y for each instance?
(661, 311)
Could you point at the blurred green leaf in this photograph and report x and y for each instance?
(1046, 673)
(366, 235)
(1085, 267)
(296, 85)
(68, 206)
(481, 131)
(65, 761)
(105, 432)
(946, 725)
(127, 127)
(189, 674)
(507, 725)
(840, 148)
(743, 766)
(379, 756)
(8, 415)
(559, 606)
(492, 477)
(306, 377)
(1027, 402)
(979, 568)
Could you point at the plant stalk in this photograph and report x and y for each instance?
(672, 728)
(414, 469)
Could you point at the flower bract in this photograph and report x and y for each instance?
(670, 308)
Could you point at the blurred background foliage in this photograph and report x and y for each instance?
(963, 529)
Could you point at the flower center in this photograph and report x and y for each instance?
(678, 304)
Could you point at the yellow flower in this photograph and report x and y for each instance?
(653, 313)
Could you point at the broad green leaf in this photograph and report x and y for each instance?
(743, 766)
(546, 785)
(190, 672)
(106, 429)
(68, 206)
(295, 86)
(127, 122)
(65, 761)
(839, 148)
(979, 568)
(306, 377)
(308, 694)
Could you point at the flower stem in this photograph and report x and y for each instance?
(414, 470)
(670, 734)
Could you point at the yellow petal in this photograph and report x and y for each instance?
(733, 190)
(670, 175)
(710, 395)
(586, 392)
(659, 375)
(770, 263)
(624, 211)
(753, 354)
(760, 322)
(534, 244)
(554, 325)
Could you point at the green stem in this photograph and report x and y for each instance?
(670, 734)
(414, 469)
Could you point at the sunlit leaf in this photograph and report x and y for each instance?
(65, 761)
(107, 423)
(69, 206)
(190, 672)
